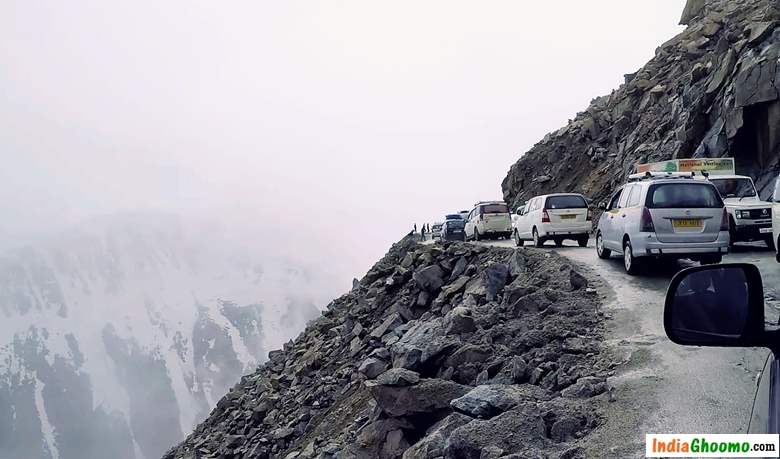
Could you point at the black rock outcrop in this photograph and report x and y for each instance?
(711, 91)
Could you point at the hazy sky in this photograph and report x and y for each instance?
(327, 127)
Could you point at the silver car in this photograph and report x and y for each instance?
(664, 216)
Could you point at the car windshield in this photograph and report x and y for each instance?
(495, 209)
(682, 195)
(735, 187)
(454, 217)
(571, 201)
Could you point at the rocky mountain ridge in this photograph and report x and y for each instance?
(452, 350)
(135, 325)
(711, 91)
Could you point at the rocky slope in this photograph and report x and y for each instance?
(458, 350)
(711, 91)
(135, 326)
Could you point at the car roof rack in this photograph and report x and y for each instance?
(666, 175)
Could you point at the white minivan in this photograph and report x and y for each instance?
(488, 219)
(555, 217)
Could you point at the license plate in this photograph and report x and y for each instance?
(568, 217)
(765, 230)
(687, 223)
(457, 231)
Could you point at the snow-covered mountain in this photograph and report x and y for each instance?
(118, 337)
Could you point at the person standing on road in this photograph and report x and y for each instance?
(414, 231)
(422, 232)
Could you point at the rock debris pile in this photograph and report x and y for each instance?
(453, 350)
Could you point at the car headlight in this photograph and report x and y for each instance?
(743, 214)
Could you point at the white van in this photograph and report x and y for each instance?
(553, 217)
(750, 218)
(488, 219)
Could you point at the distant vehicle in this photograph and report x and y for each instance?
(555, 217)
(436, 230)
(488, 219)
(452, 229)
(664, 216)
(750, 219)
(723, 306)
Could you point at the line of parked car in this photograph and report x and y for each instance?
(654, 215)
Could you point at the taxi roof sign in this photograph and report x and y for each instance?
(712, 166)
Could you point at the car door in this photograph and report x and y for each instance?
(469, 228)
(764, 415)
(523, 225)
(530, 218)
(607, 222)
(628, 202)
(776, 217)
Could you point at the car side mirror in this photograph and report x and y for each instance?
(602, 205)
(716, 305)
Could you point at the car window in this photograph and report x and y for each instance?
(537, 203)
(633, 198)
(735, 187)
(613, 203)
(624, 197)
(683, 195)
(495, 209)
(776, 196)
(571, 201)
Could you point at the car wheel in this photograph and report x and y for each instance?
(712, 259)
(732, 232)
(631, 263)
(770, 242)
(601, 251)
(538, 242)
(476, 234)
(583, 241)
(518, 242)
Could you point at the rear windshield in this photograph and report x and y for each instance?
(495, 209)
(566, 202)
(454, 217)
(735, 187)
(681, 195)
(456, 223)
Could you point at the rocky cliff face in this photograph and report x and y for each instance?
(711, 91)
(457, 350)
(118, 337)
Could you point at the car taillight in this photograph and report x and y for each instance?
(724, 221)
(545, 216)
(590, 215)
(646, 222)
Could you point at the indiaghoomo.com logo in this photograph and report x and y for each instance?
(712, 445)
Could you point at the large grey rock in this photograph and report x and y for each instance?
(432, 445)
(389, 324)
(424, 397)
(372, 367)
(399, 377)
(425, 340)
(496, 276)
(487, 401)
(430, 278)
(518, 430)
(459, 321)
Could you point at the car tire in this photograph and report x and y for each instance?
(601, 251)
(630, 263)
(476, 235)
(770, 242)
(712, 259)
(538, 241)
(518, 242)
(583, 241)
(732, 231)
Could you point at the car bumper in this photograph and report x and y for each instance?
(576, 230)
(746, 230)
(454, 237)
(649, 246)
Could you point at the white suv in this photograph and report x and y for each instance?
(488, 219)
(553, 217)
(750, 219)
(664, 215)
